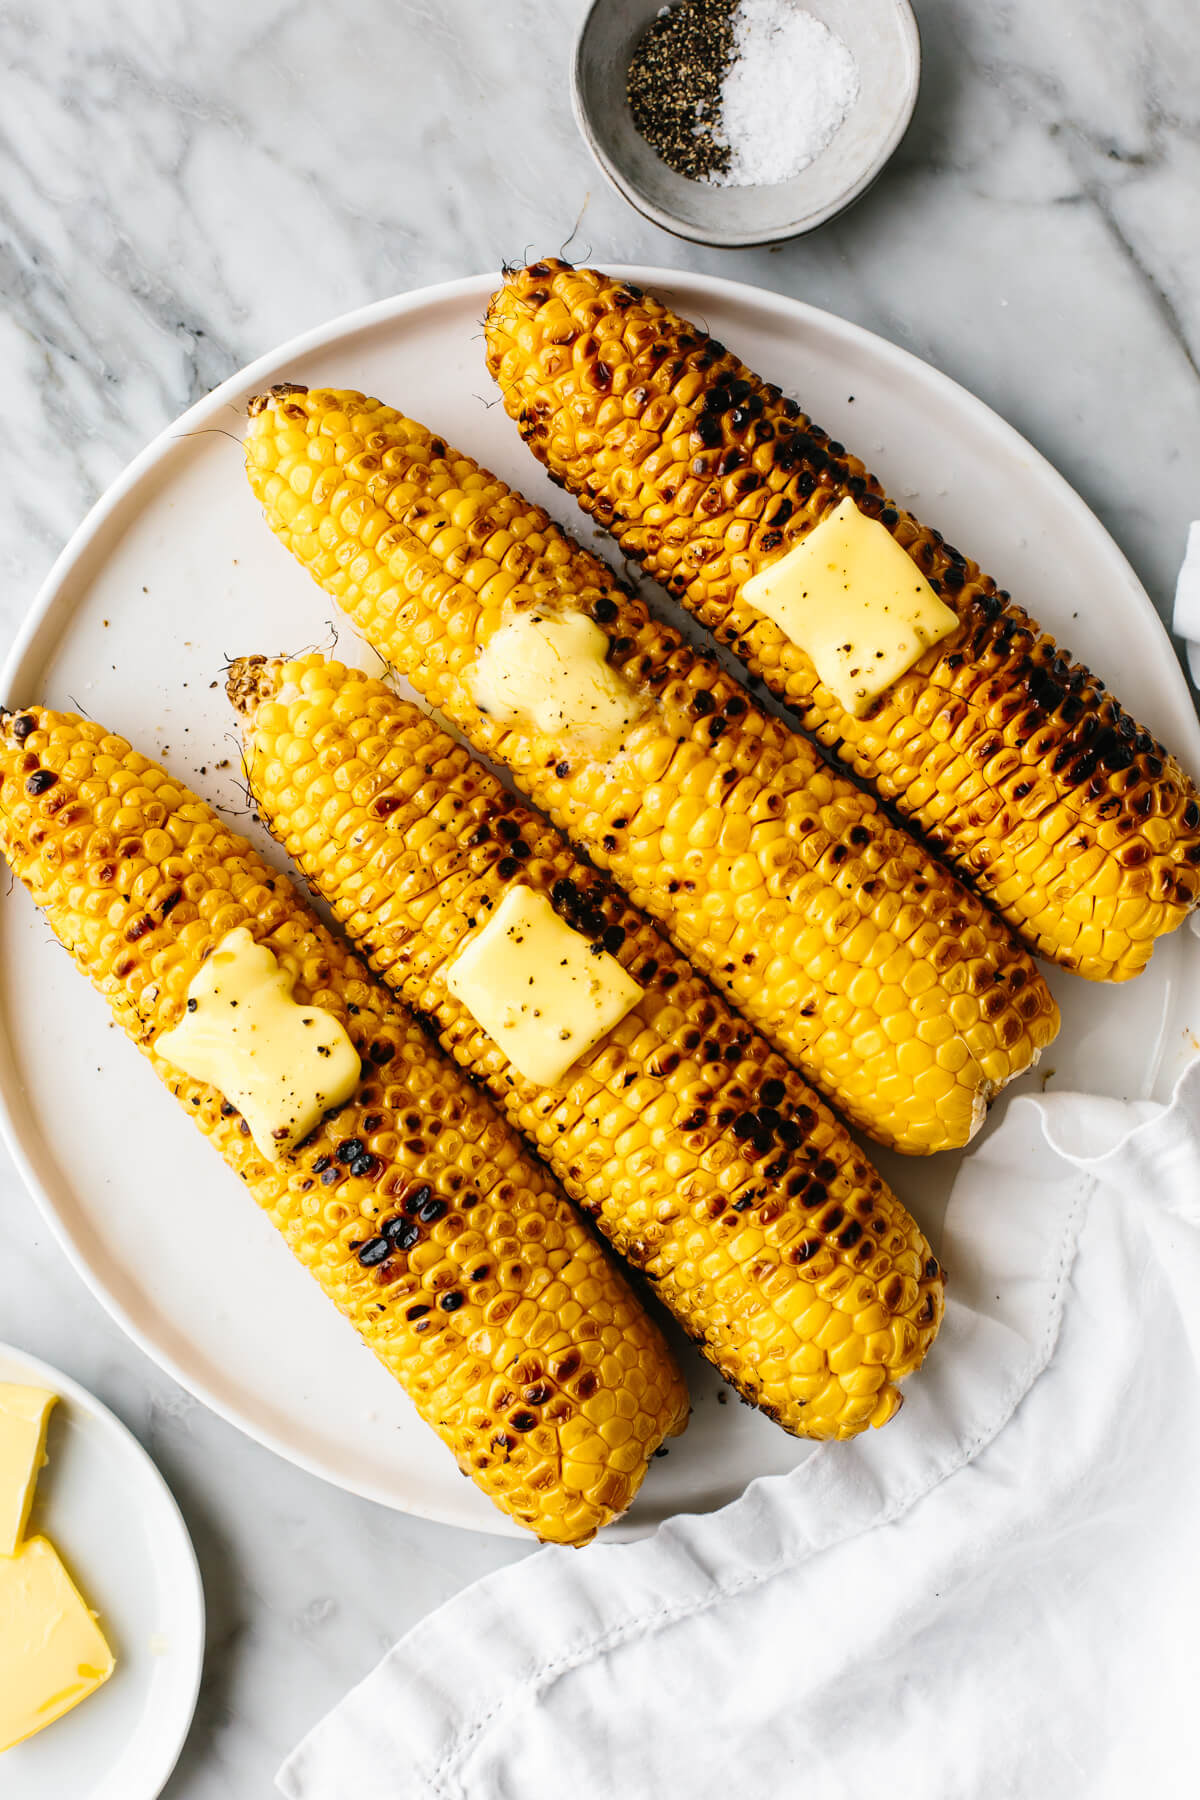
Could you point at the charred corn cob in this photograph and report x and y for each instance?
(1010, 757)
(701, 1154)
(415, 1206)
(905, 1001)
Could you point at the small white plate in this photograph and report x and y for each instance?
(105, 1507)
(174, 571)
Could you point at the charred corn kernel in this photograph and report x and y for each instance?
(734, 1243)
(991, 729)
(780, 927)
(375, 1200)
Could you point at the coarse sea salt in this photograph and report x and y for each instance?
(784, 95)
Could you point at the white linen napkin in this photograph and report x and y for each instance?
(1187, 601)
(997, 1595)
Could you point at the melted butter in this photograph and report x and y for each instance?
(24, 1416)
(52, 1652)
(550, 671)
(282, 1065)
(542, 991)
(855, 602)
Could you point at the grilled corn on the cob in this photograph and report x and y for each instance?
(416, 1207)
(906, 1002)
(702, 1155)
(1071, 819)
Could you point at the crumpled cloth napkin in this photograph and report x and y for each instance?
(997, 1595)
(1187, 601)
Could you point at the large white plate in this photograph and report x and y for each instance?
(174, 571)
(106, 1508)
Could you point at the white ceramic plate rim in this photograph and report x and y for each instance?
(187, 1592)
(700, 291)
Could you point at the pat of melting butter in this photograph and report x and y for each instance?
(855, 602)
(550, 671)
(541, 990)
(24, 1416)
(52, 1652)
(282, 1065)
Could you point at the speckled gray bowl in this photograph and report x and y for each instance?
(882, 37)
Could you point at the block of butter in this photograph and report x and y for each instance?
(281, 1064)
(52, 1652)
(540, 989)
(855, 602)
(24, 1416)
(550, 670)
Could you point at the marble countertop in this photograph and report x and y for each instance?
(186, 183)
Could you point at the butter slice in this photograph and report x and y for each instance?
(550, 670)
(24, 1416)
(282, 1065)
(541, 990)
(855, 602)
(52, 1652)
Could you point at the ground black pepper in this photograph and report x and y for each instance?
(674, 86)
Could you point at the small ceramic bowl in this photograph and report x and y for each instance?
(882, 37)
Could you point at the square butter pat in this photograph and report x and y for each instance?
(281, 1064)
(855, 602)
(24, 1416)
(52, 1652)
(540, 989)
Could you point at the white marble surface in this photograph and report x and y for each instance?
(183, 183)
